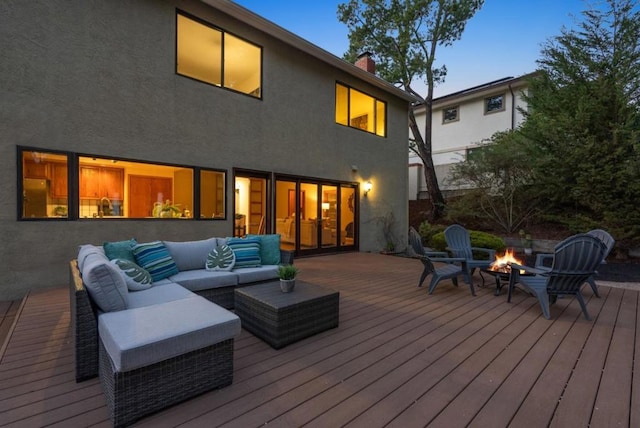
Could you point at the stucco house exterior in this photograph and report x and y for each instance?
(461, 121)
(181, 120)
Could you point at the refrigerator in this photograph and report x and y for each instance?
(35, 197)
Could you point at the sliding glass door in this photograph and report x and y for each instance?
(315, 216)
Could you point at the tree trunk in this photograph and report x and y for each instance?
(424, 150)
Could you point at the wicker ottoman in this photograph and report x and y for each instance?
(156, 356)
(282, 318)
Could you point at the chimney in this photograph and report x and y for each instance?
(365, 62)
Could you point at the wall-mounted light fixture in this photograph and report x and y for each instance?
(367, 187)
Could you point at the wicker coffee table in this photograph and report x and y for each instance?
(282, 318)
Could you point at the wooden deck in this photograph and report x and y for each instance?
(399, 358)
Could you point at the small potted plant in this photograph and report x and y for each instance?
(166, 210)
(287, 275)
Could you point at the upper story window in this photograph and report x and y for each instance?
(359, 110)
(214, 56)
(450, 114)
(493, 104)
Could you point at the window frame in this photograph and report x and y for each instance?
(73, 185)
(71, 206)
(444, 114)
(222, 56)
(375, 102)
(487, 101)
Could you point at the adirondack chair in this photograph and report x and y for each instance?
(450, 270)
(543, 261)
(459, 244)
(574, 260)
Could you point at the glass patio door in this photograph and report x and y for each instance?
(315, 217)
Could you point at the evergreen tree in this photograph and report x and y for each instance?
(583, 122)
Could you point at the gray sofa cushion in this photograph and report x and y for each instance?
(85, 250)
(190, 255)
(262, 273)
(157, 294)
(170, 329)
(105, 283)
(196, 280)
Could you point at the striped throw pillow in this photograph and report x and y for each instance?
(155, 258)
(246, 250)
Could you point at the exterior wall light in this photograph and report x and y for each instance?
(367, 187)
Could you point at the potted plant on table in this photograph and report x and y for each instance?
(287, 275)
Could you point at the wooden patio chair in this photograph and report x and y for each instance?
(453, 268)
(574, 260)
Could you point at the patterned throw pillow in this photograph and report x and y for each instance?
(246, 250)
(136, 277)
(221, 258)
(154, 257)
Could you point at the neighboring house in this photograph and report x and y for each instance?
(182, 120)
(461, 122)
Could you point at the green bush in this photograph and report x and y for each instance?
(478, 239)
(427, 230)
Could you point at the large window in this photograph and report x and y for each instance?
(214, 56)
(359, 110)
(112, 188)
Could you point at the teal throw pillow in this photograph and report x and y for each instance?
(155, 258)
(120, 250)
(246, 250)
(269, 248)
(135, 277)
(221, 258)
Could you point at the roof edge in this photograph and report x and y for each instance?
(262, 24)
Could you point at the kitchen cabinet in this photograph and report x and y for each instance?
(145, 191)
(59, 180)
(36, 170)
(101, 182)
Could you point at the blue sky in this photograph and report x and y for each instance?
(503, 39)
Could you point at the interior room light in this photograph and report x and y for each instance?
(367, 187)
(325, 206)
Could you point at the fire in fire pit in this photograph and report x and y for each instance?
(501, 264)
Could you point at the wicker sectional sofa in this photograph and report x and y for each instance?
(163, 344)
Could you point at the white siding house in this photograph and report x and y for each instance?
(461, 121)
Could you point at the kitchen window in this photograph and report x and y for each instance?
(359, 110)
(216, 57)
(109, 188)
(44, 185)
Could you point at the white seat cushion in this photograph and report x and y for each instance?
(201, 279)
(157, 294)
(255, 274)
(140, 337)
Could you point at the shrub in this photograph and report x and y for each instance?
(478, 239)
(427, 230)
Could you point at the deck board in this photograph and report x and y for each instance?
(399, 358)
